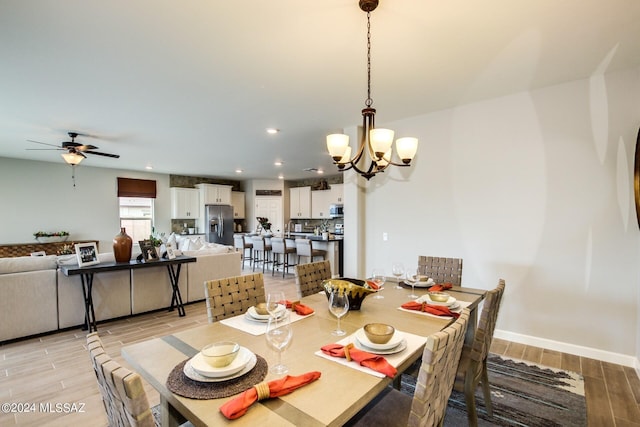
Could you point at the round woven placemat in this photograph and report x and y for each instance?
(184, 386)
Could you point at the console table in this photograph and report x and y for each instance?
(86, 275)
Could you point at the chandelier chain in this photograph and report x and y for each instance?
(369, 101)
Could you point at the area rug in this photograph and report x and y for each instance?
(523, 394)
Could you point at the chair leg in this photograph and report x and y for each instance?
(486, 389)
(469, 398)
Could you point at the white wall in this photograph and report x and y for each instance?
(535, 188)
(40, 196)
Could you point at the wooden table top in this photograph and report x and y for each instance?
(330, 401)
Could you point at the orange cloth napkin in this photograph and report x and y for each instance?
(373, 285)
(301, 309)
(440, 287)
(238, 406)
(438, 310)
(371, 361)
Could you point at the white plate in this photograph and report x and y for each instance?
(426, 284)
(425, 298)
(253, 313)
(393, 342)
(191, 373)
(396, 349)
(203, 368)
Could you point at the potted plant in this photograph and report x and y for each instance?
(48, 237)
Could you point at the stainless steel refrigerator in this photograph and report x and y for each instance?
(219, 224)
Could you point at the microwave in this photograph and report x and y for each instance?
(336, 211)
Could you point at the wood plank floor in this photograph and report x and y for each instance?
(38, 373)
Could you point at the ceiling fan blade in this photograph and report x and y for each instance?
(115, 156)
(43, 143)
(43, 149)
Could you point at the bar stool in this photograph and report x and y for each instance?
(261, 251)
(304, 247)
(241, 245)
(279, 247)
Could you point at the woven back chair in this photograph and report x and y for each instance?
(122, 392)
(309, 277)
(233, 295)
(434, 385)
(472, 369)
(441, 270)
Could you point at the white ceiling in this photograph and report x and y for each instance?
(190, 86)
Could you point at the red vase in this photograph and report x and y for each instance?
(122, 244)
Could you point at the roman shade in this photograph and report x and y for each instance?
(129, 187)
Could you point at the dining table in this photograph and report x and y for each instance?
(343, 388)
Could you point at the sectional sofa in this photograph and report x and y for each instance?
(36, 297)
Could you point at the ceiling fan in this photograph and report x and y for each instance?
(75, 151)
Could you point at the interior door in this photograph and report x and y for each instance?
(270, 207)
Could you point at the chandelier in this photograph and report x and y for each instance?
(376, 141)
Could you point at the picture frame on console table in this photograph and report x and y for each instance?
(148, 251)
(87, 254)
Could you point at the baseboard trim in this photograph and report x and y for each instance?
(593, 353)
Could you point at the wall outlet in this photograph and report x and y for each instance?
(385, 237)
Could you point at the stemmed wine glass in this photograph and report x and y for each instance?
(338, 305)
(274, 299)
(411, 278)
(397, 269)
(378, 277)
(278, 335)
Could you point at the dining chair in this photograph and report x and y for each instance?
(241, 245)
(233, 295)
(123, 394)
(441, 270)
(309, 277)
(261, 251)
(279, 249)
(472, 369)
(428, 404)
(304, 247)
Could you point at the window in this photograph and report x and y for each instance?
(136, 215)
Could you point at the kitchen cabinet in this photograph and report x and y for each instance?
(320, 201)
(237, 201)
(300, 202)
(337, 194)
(214, 194)
(185, 203)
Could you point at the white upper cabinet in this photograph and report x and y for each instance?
(337, 193)
(185, 203)
(320, 201)
(237, 200)
(214, 194)
(300, 202)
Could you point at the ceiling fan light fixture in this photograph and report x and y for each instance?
(376, 142)
(72, 158)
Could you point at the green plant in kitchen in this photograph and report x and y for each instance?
(264, 223)
(50, 234)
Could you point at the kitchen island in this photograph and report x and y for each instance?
(334, 247)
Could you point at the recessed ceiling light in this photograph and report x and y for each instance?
(320, 172)
(280, 176)
(148, 167)
(238, 170)
(272, 131)
(277, 163)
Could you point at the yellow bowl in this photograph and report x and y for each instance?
(379, 333)
(439, 296)
(220, 354)
(261, 308)
(356, 290)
